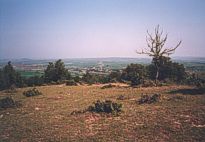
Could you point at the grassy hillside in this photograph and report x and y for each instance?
(178, 116)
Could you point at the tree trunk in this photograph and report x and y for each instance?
(157, 76)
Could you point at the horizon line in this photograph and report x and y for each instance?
(55, 58)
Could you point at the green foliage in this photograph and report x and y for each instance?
(9, 77)
(106, 107)
(76, 78)
(7, 102)
(134, 73)
(168, 70)
(193, 79)
(89, 78)
(34, 81)
(56, 71)
(32, 92)
(95, 78)
(71, 83)
(149, 99)
(115, 76)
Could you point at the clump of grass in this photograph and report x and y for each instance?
(149, 99)
(32, 92)
(107, 86)
(7, 102)
(106, 106)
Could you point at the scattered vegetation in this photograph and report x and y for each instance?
(32, 92)
(106, 106)
(148, 99)
(175, 120)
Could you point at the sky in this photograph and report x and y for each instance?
(40, 29)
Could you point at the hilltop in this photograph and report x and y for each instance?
(178, 116)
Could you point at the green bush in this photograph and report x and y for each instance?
(135, 73)
(9, 77)
(71, 83)
(106, 107)
(56, 72)
(32, 92)
(34, 81)
(149, 99)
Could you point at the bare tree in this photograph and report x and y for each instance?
(155, 48)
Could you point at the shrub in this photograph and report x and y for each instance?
(34, 81)
(9, 77)
(175, 72)
(149, 99)
(56, 72)
(32, 92)
(7, 102)
(134, 73)
(77, 78)
(71, 83)
(106, 107)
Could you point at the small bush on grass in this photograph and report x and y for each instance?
(106, 107)
(71, 83)
(149, 99)
(32, 92)
(7, 102)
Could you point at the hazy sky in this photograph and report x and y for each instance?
(97, 28)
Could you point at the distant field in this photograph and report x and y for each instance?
(191, 64)
(179, 116)
(28, 74)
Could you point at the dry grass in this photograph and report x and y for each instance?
(177, 117)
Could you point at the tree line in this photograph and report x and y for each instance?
(135, 74)
(161, 70)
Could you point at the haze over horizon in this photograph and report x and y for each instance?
(97, 28)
